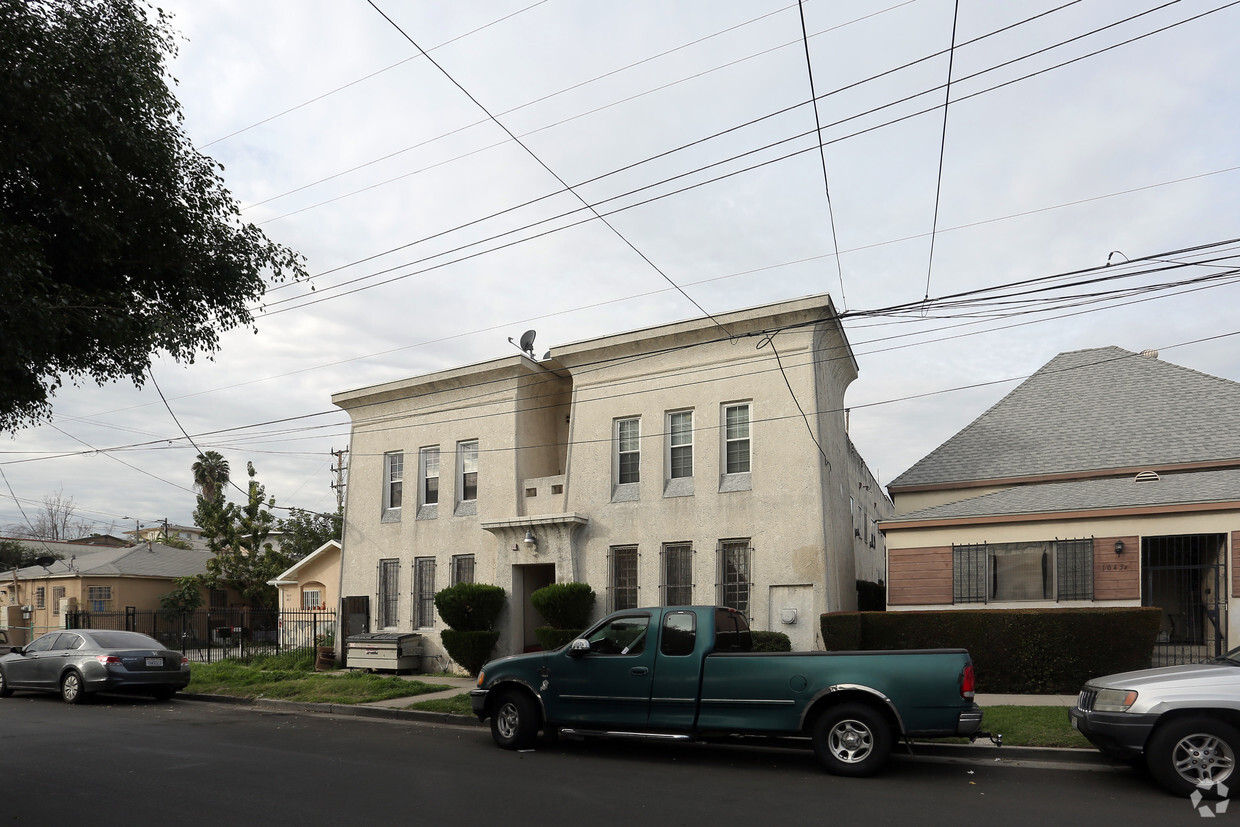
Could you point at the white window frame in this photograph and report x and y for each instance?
(686, 443)
(429, 459)
(309, 595)
(729, 440)
(464, 449)
(619, 440)
(393, 482)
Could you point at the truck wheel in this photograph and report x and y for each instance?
(514, 721)
(852, 740)
(1187, 754)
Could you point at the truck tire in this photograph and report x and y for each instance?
(514, 720)
(1198, 753)
(852, 739)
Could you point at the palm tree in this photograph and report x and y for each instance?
(210, 474)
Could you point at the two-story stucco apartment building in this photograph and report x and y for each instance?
(699, 462)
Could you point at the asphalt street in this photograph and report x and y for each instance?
(136, 761)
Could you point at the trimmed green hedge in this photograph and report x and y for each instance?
(470, 649)
(565, 605)
(1014, 650)
(470, 607)
(771, 642)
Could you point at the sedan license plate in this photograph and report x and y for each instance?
(154, 661)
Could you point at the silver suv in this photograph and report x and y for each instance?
(1183, 721)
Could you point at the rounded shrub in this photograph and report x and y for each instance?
(550, 639)
(565, 605)
(470, 607)
(470, 649)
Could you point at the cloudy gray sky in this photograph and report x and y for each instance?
(1075, 129)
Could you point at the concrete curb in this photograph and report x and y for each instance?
(354, 710)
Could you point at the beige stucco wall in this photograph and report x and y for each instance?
(322, 573)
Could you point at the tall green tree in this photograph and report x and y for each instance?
(304, 532)
(244, 558)
(118, 240)
(211, 475)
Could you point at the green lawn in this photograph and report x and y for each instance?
(1032, 726)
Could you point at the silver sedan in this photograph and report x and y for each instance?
(78, 662)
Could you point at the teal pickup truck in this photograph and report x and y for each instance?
(687, 673)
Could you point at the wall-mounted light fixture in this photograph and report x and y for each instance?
(529, 538)
(1119, 546)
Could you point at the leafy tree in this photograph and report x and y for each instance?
(56, 520)
(117, 238)
(211, 475)
(238, 535)
(15, 555)
(303, 532)
(186, 597)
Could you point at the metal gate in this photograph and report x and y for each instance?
(1186, 576)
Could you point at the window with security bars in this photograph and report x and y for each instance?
(39, 598)
(311, 599)
(99, 598)
(622, 577)
(735, 575)
(628, 451)
(462, 568)
(677, 574)
(217, 599)
(1035, 570)
(58, 594)
(424, 592)
(389, 581)
(736, 439)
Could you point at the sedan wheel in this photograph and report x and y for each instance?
(5, 689)
(71, 688)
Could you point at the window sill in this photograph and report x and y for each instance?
(628, 492)
(734, 482)
(391, 515)
(466, 509)
(678, 487)
(428, 512)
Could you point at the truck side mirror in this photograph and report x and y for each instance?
(579, 647)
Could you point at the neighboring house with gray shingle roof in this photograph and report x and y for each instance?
(1106, 478)
(99, 579)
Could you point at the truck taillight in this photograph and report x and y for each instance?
(966, 682)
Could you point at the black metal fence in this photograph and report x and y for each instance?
(209, 635)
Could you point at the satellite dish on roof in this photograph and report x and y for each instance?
(44, 561)
(527, 342)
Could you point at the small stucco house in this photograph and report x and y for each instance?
(704, 461)
(1108, 478)
(99, 579)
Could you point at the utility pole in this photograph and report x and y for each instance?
(340, 468)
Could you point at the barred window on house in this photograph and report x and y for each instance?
(735, 574)
(462, 568)
(622, 577)
(217, 599)
(628, 451)
(99, 598)
(428, 462)
(1036, 570)
(311, 598)
(39, 598)
(736, 439)
(393, 480)
(389, 582)
(677, 574)
(424, 592)
(58, 594)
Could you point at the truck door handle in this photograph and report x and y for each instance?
(639, 670)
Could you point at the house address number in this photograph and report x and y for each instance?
(1115, 567)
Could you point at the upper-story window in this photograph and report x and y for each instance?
(628, 450)
(680, 444)
(393, 481)
(736, 438)
(467, 473)
(428, 480)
